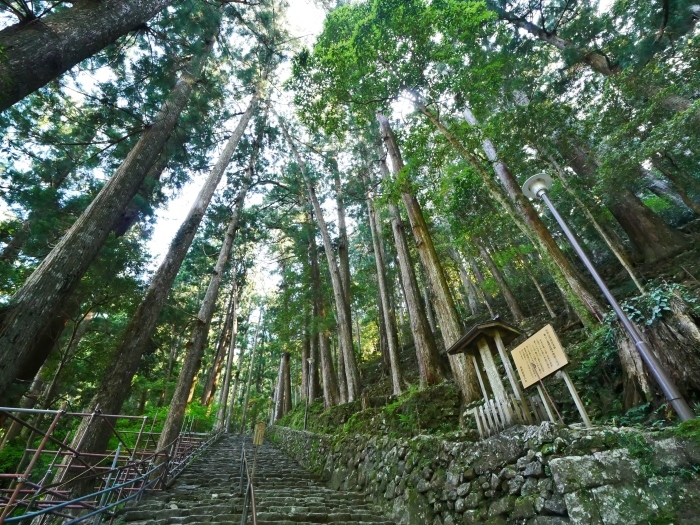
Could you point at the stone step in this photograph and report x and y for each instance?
(207, 493)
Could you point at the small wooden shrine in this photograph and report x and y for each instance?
(501, 409)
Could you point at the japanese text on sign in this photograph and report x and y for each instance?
(544, 351)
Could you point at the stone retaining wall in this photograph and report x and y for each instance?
(544, 475)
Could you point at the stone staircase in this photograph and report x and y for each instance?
(285, 494)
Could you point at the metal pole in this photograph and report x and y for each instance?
(538, 185)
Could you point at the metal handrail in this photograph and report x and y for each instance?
(250, 488)
(114, 480)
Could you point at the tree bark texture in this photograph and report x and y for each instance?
(462, 369)
(286, 384)
(389, 320)
(342, 307)
(38, 51)
(278, 395)
(429, 365)
(114, 388)
(40, 300)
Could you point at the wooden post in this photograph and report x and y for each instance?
(545, 403)
(497, 387)
(563, 374)
(511, 374)
(481, 379)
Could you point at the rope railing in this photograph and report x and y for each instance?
(111, 479)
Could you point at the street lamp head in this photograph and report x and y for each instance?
(537, 184)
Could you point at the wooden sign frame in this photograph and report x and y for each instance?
(544, 351)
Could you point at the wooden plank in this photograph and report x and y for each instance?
(574, 394)
(543, 399)
(497, 387)
(474, 413)
(487, 411)
(481, 379)
(507, 364)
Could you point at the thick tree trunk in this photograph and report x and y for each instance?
(40, 300)
(467, 284)
(462, 369)
(133, 211)
(501, 281)
(200, 331)
(221, 351)
(38, 51)
(116, 384)
(342, 307)
(429, 365)
(223, 398)
(650, 237)
(331, 394)
(389, 320)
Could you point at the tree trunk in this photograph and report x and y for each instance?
(250, 374)
(223, 398)
(389, 320)
(40, 300)
(462, 369)
(429, 309)
(521, 210)
(613, 243)
(650, 237)
(200, 332)
(502, 284)
(534, 280)
(342, 307)
(116, 384)
(345, 279)
(221, 350)
(467, 284)
(485, 295)
(305, 356)
(429, 365)
(678, 183)
(286, 385)
(331, 394)
(40, 50)
(278, 394)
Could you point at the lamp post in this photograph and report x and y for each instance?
(537, 186)
(309, 378)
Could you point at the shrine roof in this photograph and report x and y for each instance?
(468, 343)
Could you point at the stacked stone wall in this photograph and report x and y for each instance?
(546, 475)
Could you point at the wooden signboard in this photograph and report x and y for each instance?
(544, 351)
